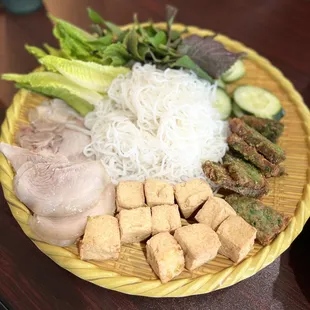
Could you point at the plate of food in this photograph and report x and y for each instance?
(156, 159)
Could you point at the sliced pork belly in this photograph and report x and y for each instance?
(63, 231)
(55, 128)
(67, 142)
(37, 141)
(47, 126)
(56, 111)
(60, 189)
(72, 144)
(19, 156)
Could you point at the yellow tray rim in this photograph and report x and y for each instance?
(181, 287)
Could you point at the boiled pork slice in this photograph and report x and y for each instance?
(19, 156)
(56, 111)
(37, 141)
(61, 194)
(60, 189)
(64, 141)
(63, 231)
(55, 128)
(47, 126)
(72, 144)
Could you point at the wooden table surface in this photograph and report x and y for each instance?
(278, 30)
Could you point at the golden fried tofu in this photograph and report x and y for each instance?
(165, 256)
(158, 193)
(192, 194)
(129, 195)
(214, 212)
(135, 225)
(165, 218)
(237, 238)
(101, 239)
(199, 243)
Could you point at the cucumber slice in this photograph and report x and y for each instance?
(279, 115)
(258, 101)
(234, 73)
(222, 103)
(236, 110)
(220, 83)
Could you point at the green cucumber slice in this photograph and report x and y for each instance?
(236, 110)
(258, 101)
(220, 83)
(279, 115)
(222, 103)
(234, 73)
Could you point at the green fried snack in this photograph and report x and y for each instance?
(250, 154)
(236, 175)
(269, 128)
(268, 222)
(270, 150)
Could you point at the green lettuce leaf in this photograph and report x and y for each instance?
(72, 30)
(53, 51)
(90, 75)
(58, 86)
(74, 41)
(35, 51)
(71, 45)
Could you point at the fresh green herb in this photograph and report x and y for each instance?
(171, 13)
(147, 44)
(100, 44)
(83, 67)
(97, 19)
(188, 63)
(115, 54)
(131, 42)
(159, 39)
(209, 54)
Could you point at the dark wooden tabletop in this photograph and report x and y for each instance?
(277, 29)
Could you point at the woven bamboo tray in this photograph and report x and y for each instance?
(131, 274)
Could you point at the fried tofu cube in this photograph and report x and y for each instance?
(129, 195)
(237, 238)
(158, 193)
(135, 225)
(199, 243)
(165, 218)
(165, 256)
(101, 239)
(214, 212)
(191, 194)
